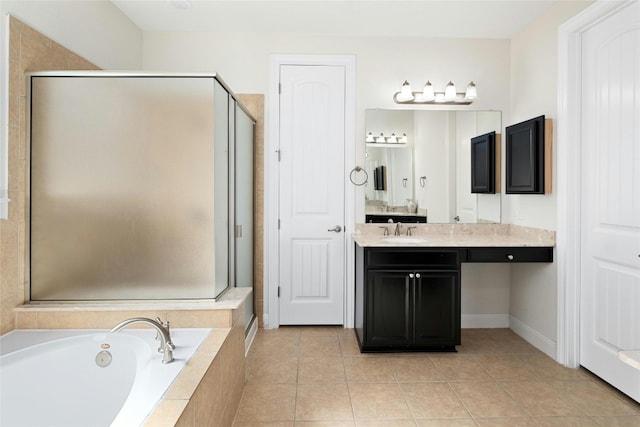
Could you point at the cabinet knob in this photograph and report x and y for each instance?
(417, 275)
(510, 257)
(411, 276)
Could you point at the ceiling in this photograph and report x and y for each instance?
(385, 18)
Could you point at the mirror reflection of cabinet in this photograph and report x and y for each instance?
(483, 163)
(439, 172)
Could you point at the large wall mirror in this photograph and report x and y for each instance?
(424, 157)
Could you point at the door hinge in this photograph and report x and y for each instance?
(279, 88)
(279, 155)
(278, 223)
(278, 291)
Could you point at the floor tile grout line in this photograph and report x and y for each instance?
(343, 341)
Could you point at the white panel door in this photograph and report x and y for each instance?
(312, 143)
(610, 258)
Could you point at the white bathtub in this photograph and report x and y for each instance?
(52, 378)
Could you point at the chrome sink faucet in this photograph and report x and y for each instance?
(398, 229)
(166, 346)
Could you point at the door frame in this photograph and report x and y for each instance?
(271, 306)
(569, 170)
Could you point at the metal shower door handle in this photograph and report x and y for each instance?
(336, 229)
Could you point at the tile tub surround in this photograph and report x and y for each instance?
(207, 391)
(456, 235)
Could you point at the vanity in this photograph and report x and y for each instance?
(407, 295)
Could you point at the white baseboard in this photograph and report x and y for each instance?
(533, 337)
(251, 335)
(474, 321)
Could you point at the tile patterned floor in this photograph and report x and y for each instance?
(316, 376)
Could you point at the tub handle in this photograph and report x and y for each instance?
(167, 327)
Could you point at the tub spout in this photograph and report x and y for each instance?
(166, 346)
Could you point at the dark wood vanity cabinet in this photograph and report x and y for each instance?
(497, 254)
(407, 299)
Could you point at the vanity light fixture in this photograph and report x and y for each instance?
(381, 139)
(429, 96)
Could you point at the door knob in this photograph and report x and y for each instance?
(336, 229)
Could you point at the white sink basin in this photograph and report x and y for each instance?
(401, 239)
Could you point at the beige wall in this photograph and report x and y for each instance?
(96, 30)
(534, 63)
(28, 51)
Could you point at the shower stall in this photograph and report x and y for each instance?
(141, 187)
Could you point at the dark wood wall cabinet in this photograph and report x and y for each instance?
(528, 157)
(483, 163)
(408, 299)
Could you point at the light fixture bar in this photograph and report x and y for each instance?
(439, 99)
(428, 96)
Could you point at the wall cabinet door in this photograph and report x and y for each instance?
(436, 299)
(388, 309)
(525, 157)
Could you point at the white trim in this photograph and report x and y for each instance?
(4, 117)
(272, 131)
(569, 169)
(533, 337)
(473, 321)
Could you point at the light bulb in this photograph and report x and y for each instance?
(427, 92)
(471, 92)
(405, 93)
(450, 91)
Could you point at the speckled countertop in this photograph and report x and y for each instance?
(454, 235)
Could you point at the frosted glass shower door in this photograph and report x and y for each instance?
(244, 195)
(124, 193)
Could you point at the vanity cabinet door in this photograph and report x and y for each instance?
(436, 296)
(388, 309)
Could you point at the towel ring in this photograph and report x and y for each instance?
(359, 169)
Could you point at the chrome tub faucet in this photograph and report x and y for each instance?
(166, 346)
